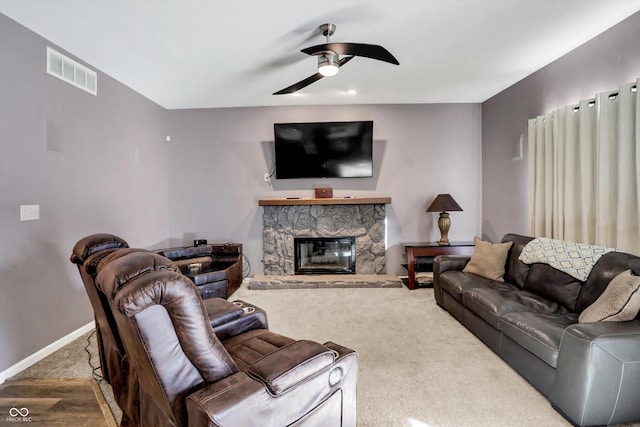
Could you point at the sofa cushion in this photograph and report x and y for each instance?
(553, 284)
(607, 267)
(491, 303)
(620, 302)
(539, 333)
(516, 271)
(488, 259)
(455, 282)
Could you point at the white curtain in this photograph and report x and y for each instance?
(584, 168)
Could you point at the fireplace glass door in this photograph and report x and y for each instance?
(325, 255)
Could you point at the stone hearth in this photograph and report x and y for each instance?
(366, 222)
(325, 281)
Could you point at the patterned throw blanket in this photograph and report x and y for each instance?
(575, 259)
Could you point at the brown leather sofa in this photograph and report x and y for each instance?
(188, 376)
(589, 371)
(216, 269)
(91, 254)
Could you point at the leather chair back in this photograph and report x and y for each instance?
(86, 254)
(91, 254)
(166, 331)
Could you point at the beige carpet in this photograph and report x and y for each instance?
(418, 366)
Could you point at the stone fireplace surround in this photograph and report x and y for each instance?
(364, 219)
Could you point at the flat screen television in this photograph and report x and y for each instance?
(323, 150)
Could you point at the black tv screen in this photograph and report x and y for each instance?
(323, 150)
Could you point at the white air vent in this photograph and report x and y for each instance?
(65, 68)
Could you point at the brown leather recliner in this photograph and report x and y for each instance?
(91, 254)
(87, 254)
(216, 269)
(188, 376)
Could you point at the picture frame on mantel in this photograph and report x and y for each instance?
(324, 193)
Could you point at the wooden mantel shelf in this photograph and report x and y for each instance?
(329, 201)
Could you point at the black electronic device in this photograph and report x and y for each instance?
(323, 150)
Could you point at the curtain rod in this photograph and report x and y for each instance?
(611, 96)
(592, 102)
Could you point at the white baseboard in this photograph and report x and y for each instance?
(41, 354)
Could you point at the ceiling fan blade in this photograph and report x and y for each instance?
(301, 84)
(372, 51)
(311, 79)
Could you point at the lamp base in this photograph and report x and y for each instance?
(444, 223)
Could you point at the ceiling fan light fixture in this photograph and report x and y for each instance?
(328, 64)
(329, 61)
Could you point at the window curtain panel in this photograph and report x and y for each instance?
(584, 168)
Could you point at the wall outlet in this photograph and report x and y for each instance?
(29, 212)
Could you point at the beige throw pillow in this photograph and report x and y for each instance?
(619, 302)
(488, 259)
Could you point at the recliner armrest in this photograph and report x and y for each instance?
(291, 364)
(206, 408)
(221, 311)
(225, 402)
(229, 319)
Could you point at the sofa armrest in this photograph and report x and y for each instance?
(598, 373)
(443, 263)
(450, 262)
(291, 364)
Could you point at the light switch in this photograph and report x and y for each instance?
(29, 212)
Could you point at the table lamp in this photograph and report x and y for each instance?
(443, 203)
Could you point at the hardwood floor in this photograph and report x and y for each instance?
(54, 402)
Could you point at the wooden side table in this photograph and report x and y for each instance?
(432, 249)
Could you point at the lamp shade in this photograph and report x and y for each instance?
(443, 203)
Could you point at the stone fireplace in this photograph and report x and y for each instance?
(284, 220)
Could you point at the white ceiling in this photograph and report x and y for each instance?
(234, 53)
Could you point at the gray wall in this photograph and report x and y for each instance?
(93, 183)
(600, 65)
(218, 158)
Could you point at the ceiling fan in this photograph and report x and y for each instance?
(329, 61)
